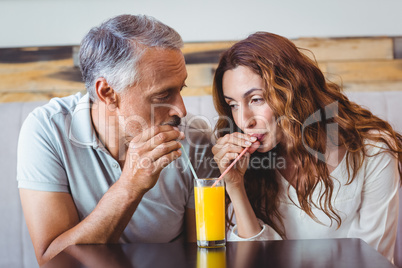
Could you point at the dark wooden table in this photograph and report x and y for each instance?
(348, 252)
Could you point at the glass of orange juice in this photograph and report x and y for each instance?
(210, 212)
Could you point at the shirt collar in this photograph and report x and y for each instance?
(81, 130)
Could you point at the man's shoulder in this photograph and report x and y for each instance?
(57, 106)
(52, 117)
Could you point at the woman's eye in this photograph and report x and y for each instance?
(257, 100)
(232, 105)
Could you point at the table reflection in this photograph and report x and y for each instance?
(289, 253)
(211, 257)
(122, 255)
(305, 253)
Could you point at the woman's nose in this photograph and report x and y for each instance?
(248, 119)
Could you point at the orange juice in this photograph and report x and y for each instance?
(210, 212)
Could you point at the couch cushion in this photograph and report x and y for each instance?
(16, 249)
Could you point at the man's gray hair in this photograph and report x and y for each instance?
(113, 49)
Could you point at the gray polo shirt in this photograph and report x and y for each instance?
(59, 151)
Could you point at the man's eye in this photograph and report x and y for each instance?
(163, 97)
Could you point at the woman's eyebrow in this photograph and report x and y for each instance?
(250, 91)
(246, 94)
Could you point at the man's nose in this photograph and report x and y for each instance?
(178, 108)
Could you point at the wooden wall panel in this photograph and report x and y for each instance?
(202, 47)
(48, 76)
(366, 71)
(360, 64)
(347, 49)
(324, 49)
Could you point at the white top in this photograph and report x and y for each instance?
(368, 206)
(59, 151)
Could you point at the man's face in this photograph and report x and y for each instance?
(156, 99)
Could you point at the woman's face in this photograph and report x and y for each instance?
(243, 91)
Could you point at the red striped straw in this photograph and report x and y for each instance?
(230, 166)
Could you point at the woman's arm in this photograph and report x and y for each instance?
(247, 222)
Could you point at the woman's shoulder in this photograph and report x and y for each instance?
(376, 155)
(378, 142)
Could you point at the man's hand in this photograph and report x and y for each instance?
(148, 153)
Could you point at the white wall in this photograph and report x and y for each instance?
(65, 22)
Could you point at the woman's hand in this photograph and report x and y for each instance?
(227, 149)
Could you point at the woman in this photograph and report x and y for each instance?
(317, 165)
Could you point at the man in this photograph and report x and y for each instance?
(101, 168)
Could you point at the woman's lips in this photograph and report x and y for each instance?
(258, 136)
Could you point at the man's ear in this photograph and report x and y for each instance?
(105, 92)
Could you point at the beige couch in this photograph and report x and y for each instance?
(15, 245)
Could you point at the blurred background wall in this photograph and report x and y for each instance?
(26, 23)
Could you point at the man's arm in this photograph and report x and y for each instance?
(52, 218)
(53, 221)
(47, 214)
